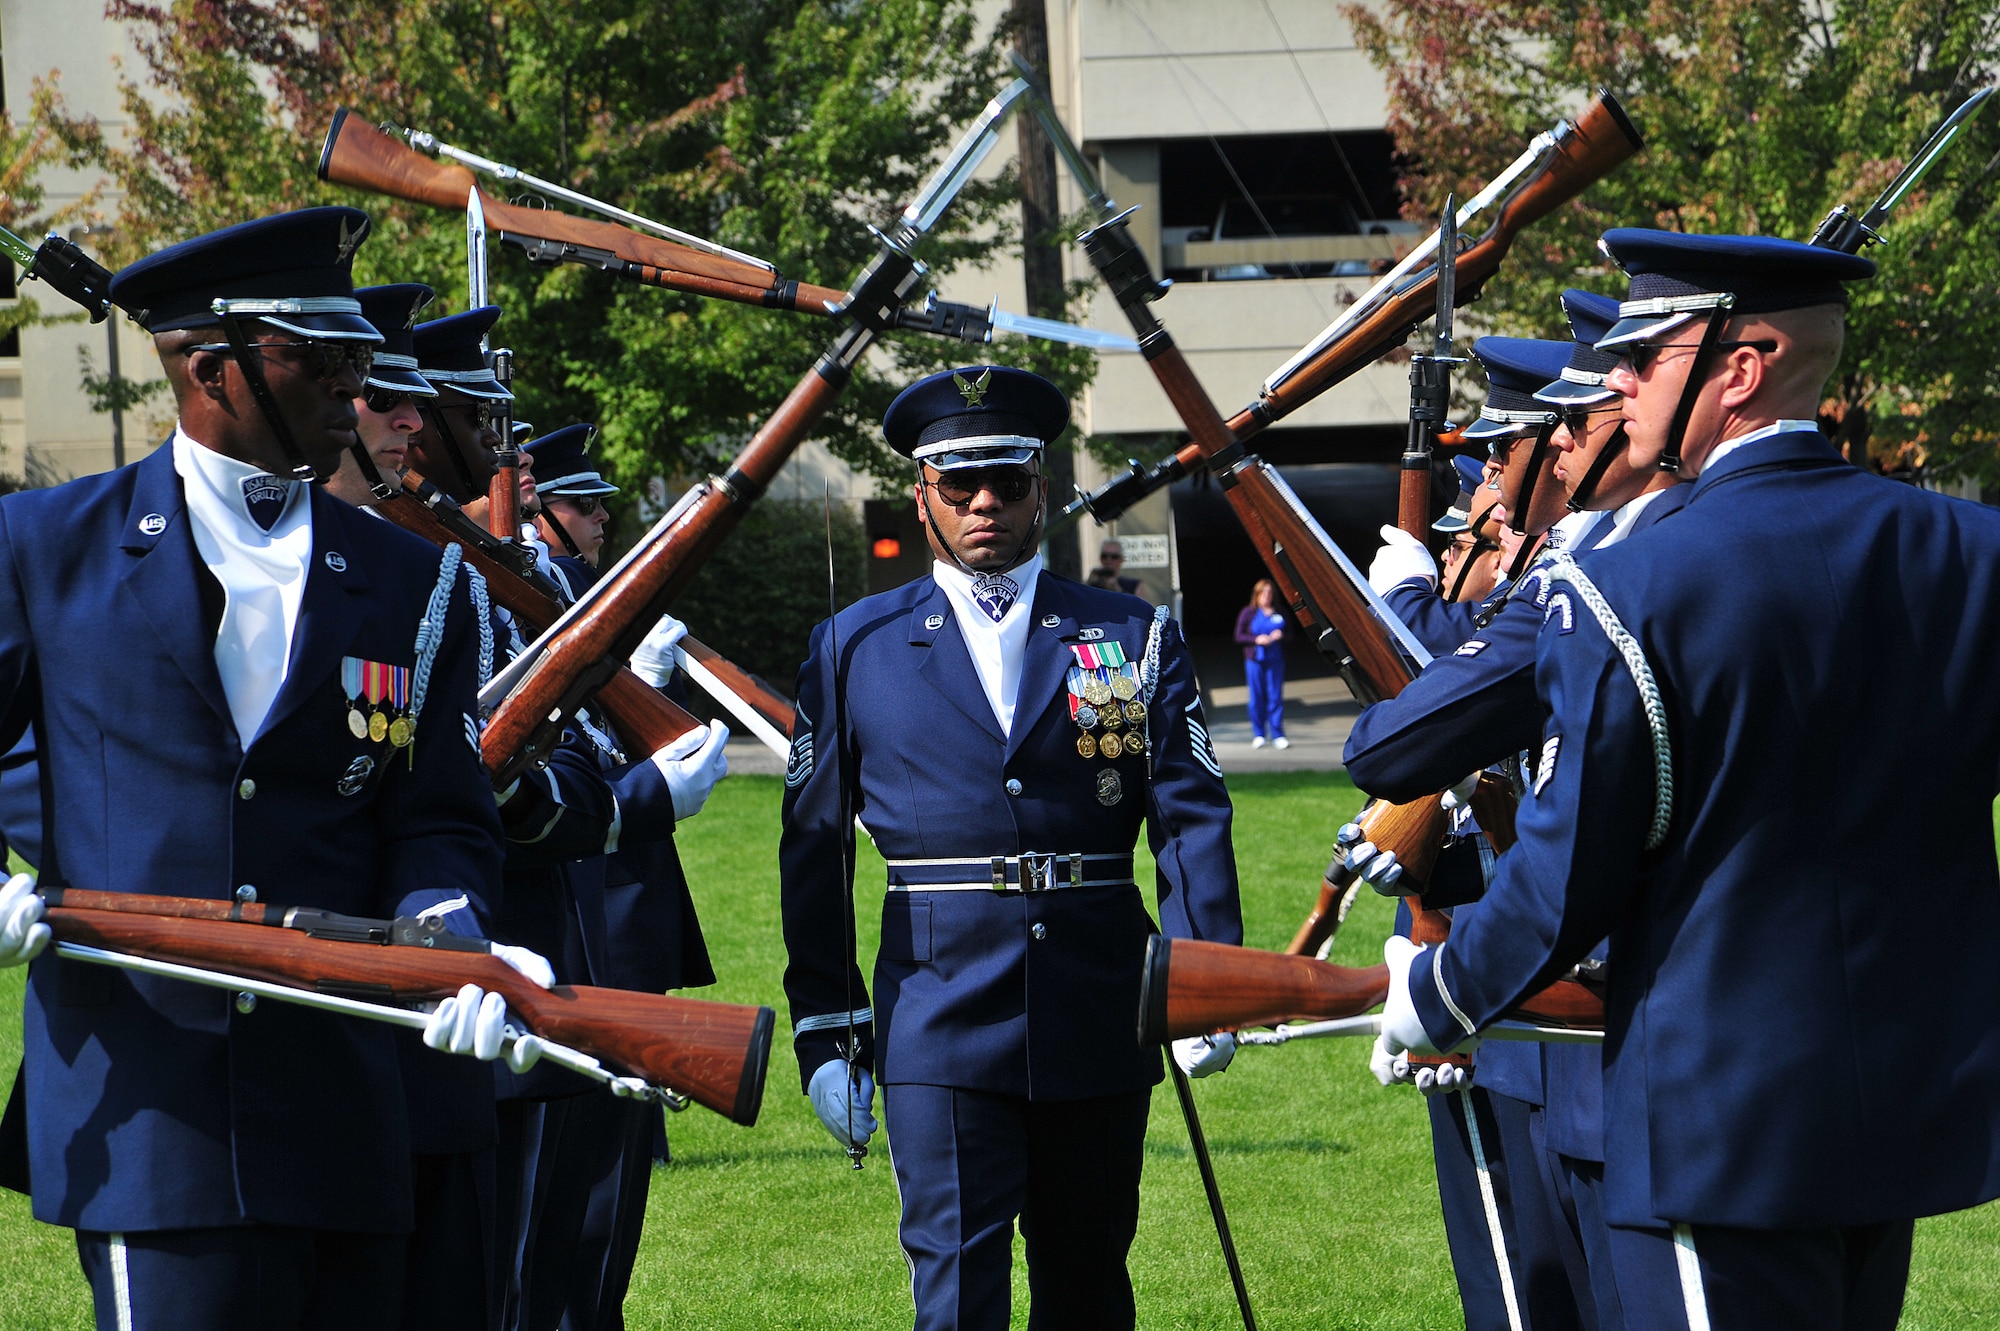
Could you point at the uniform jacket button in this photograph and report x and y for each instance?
(247, 789)
(1040, 931)
(1013, 785)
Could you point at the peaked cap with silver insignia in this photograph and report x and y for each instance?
(976, 416)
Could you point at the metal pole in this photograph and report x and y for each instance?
(1200, 1143)
(117, 394)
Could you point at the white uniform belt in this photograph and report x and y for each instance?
(1032, 872)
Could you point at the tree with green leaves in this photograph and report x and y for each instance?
(781, 127)
(1759, 116)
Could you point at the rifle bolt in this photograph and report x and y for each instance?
(246, 1002)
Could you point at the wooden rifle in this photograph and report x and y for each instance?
(1555, 169)
(364, 157)
(1196, 988)
(532, 700)
(713, 1053)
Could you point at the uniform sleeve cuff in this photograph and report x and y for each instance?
(1434, 1009)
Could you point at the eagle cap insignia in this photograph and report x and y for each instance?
(973, 390)
(347, 240)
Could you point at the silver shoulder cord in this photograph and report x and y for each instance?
(1563, 565)
(1149, 678)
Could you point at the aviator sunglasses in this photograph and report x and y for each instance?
(1010, 485)
(1646, 353)
(323, 360)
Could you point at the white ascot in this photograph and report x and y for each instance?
(263, 576)
(996, 648)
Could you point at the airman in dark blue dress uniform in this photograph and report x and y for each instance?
(1002, 733)
(1797, 1065)
(181, 633)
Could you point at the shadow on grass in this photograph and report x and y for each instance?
(1278, 1146)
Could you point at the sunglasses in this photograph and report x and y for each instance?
(1577, 419)
(1460, 549)
(1646, 353)
(382, 401)
(323, 360)
(585, 505)
(483, 413)
(1010, 485)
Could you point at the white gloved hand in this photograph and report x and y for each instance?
(472, 1021)
(1401, 558)
(1205, 1055)
(531, 537)
(1402, 1029)
(1380, 869)
(833, 1091)
(1460, 795)
(530, 963)
(692, 765)
(653, 661)
(1394, 1070)
(22, 933)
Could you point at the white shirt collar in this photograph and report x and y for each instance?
(996, 649)
(215, 481)
(1728, 446)
(1626, 516)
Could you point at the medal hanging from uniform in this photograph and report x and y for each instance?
(1104, 702)
(378, 700)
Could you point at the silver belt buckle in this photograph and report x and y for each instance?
(999, 873)
(1038, 873)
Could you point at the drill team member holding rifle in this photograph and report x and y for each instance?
(182, 633)
(1700, 684)
(1002, 732)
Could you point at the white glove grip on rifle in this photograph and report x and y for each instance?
(1401, 558)
(842, 1096)
(1377, 868)
(1401, 1028)
(22, 933)
(472, 1021)
(692, 765)
(1205, 1055)
(531, 964)
(1460, 795)
(653, 661)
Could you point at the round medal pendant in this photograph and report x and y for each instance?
(357, 724)
(1096, 692)
(1135, 711)
(378, 727)
(1111, 718)
(401, 732)
(1086, 746)
(1086, 716)
(1111, 746)
(1135, 744)
(1124, 688)
(1110, 788)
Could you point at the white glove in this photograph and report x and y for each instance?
(472, 1021)
(22, 933)
(1401, 1028)
(531, 537)
(1394, 1070)
(1378, 868)
(531, 964)
(1460, 795)
(1205, 1055)
(834, 1091)
(692, 765)
(653, 661)
(1401, 558)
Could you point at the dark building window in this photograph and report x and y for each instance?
(1278, 205)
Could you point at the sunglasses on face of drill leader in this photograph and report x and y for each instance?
(323, 360)
(1010, 485)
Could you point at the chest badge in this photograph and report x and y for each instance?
(356, 777)
(1110, 788)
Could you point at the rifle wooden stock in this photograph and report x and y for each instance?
(1413, 500)
(364, 157)
(503, 497)
(1194, 988)
(714, 1053)
(1415, 831)
(645, 718)
(621, 612)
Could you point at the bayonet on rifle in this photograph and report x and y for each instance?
(1850, 234)
(1430, 387)
(64, 266)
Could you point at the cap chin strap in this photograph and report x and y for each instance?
(1479, 548)
(253, 375)
(548, 515)
(1526, 499)
(377, 485)
(1704, 357)
(435, 417)
(1028, 542)
(1594, 476)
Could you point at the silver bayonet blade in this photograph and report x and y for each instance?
(950, 178)
(1054, 330)
(475, 251)
(1447, 275)
(1927, 157)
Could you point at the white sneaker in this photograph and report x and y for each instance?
(1257, 742)
(1281, 743)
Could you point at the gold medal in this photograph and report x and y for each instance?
(1135, 711)
(401, 732)
(357, 723)
(1135, 744)
(1111, 746)
(1123, 687)
(378, 727)
(1111, 719)
(1096, 692)
(1086, 746)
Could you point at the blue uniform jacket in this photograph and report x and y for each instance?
(154, 1104)
(1802, 995)
(965, 994)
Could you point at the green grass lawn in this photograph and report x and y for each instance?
(1326, 1174)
